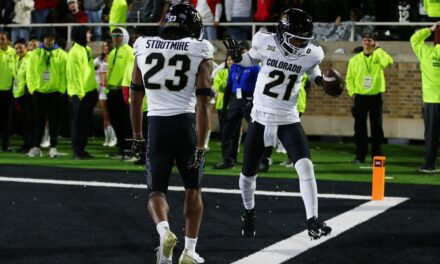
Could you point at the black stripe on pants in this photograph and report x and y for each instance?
(431, 118)
(5, 117)
(81, 122)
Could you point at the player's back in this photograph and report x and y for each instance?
(169, 70)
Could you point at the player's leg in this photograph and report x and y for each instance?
(296, 144)
(159, 165)
(193, 205)
(253, 150)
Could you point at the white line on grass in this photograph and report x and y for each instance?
(299, 243)
(174, 188)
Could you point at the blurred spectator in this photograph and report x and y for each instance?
(365, 81)
(22, 95)
(432, 8)
(265, 10)
(118, 60)
(210, 11)
(7, 58)
(327, 10)
(82, 89)
(430, 66)
(6, 11)
(219, 84)
(93, 9)
(41, 13)
(238, 11)
(32, 45)
(75, 15)
(101, 63)
(151, 12)
(22, 16)
(46, 80)
(118, 13)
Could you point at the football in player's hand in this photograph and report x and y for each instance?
(333, 83)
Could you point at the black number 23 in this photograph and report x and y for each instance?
(160, 63)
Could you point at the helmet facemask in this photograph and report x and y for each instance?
(292, 45)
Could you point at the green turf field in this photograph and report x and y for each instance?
(332, 162)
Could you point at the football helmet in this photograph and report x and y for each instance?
(294, 32)
(182, 20)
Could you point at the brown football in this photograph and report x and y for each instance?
(333, 83)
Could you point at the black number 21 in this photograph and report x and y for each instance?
(160, 63)
(280, 76)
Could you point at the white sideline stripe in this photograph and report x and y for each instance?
(299, 243)
(175, 188)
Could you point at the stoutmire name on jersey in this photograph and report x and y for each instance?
(171, 45)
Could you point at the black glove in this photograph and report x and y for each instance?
(197, 159)
(137, 147)
(233, 49)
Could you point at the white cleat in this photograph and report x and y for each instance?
(190, 257)
(165, 250)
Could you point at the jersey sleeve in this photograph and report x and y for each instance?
(258, 45)
(202, 49)
(317, 55)
(137, 46)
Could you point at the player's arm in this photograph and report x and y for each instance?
(203, 90)
(233, 49)
(315, 74)
(137, 92)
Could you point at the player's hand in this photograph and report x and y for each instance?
(434, 26)
(137, 147)
(233, 49)
(197, 159)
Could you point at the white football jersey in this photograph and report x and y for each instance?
(279, 80)
(169, 69)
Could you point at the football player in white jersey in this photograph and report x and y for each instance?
(174, 70)
(285, 57)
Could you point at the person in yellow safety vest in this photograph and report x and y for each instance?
(118, 13)
(118, 59)
(46, 80)
(432, 8)
(429, 57)
(22, 95)
(82, 89)
(7, 58)
(365, 81)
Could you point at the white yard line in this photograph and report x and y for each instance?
(299, 243)
(174, 188)
(280, 251)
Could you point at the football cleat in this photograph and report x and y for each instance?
(248, 219)
(165, 251)
(190, 257)
(317, 229)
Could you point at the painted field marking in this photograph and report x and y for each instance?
(174, 188)
(280, 251)
(299, 243)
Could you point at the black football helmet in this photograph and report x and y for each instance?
(294, 32)
(183, 20)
